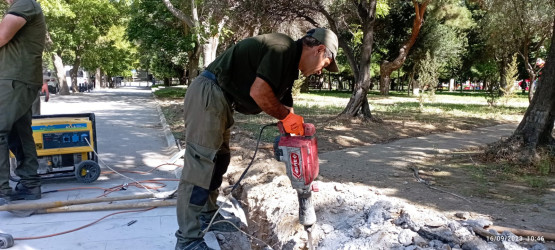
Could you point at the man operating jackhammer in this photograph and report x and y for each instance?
(255, 75)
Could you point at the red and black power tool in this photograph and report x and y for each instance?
(300, 154)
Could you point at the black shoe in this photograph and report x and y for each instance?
(8, 195)
(193, 245)
(5, 198)
(220, 223)
(24, 193)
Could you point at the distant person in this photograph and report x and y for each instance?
(524, 86)
(254, 75)
(22, 38)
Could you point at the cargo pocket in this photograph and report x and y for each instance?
(199, 165)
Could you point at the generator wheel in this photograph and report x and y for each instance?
(87, 171)
(13, 165)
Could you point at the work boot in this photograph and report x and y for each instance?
(24, 193)
(220, 223)
(6, 196)
(193, 245)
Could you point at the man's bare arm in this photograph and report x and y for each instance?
(264, 96)
(9, 26)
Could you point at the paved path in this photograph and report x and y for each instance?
(130, 137)
(398, 155)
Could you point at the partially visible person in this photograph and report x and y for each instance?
(35, 110)
(255, 75)
(524, 86)
(22, 39)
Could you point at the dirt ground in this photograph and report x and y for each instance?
(504, 202)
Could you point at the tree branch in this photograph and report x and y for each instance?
(179, 14)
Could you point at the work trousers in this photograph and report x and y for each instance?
(208, 120)
(16, 99)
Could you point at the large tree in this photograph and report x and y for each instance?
(163, 45)
(204, 20)
(441, 41)
(113, 55)
(365, 16)
(536, 128)
(387, 67)
(341, 16)
(345, 18)
(74, 27)
(523, 24)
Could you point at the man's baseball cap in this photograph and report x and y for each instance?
(329, 39)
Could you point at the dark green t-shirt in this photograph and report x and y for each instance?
(272, 57)
(21, 57)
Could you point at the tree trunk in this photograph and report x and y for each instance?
(110, 81)
(98, 78)
(61, 74)
(415, 88)
(209, 50)
(525, 55)
(181, 76)
(503, 74)
(358, 104)
(194, 62)
(211, 46)
(386, 68)
(536, 128)
(73, 73)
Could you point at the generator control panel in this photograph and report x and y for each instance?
(62, 135)
(64, 140)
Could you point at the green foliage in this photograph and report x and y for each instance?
(297, 85)
(537, 182)
(112, 54)
(3, 7)
(160, 37)
(443, 35)
(382, 8)
(512, 74)
(453, 14)
(486, 70)
(75, 27)
(517, 26)
(427, 77)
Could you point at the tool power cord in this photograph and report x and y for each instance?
(147, 209)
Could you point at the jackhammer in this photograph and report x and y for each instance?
(300, 155)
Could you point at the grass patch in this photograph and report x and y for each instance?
(504, 178)
(170, 92)
(459, 110)
(156, 86)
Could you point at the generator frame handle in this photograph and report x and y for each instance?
(91, 117)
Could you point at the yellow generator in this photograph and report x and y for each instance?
(65, 146)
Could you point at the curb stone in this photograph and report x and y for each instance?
(170, 139)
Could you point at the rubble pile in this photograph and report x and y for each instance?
(352, 216)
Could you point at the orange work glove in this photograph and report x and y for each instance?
(293, 124)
